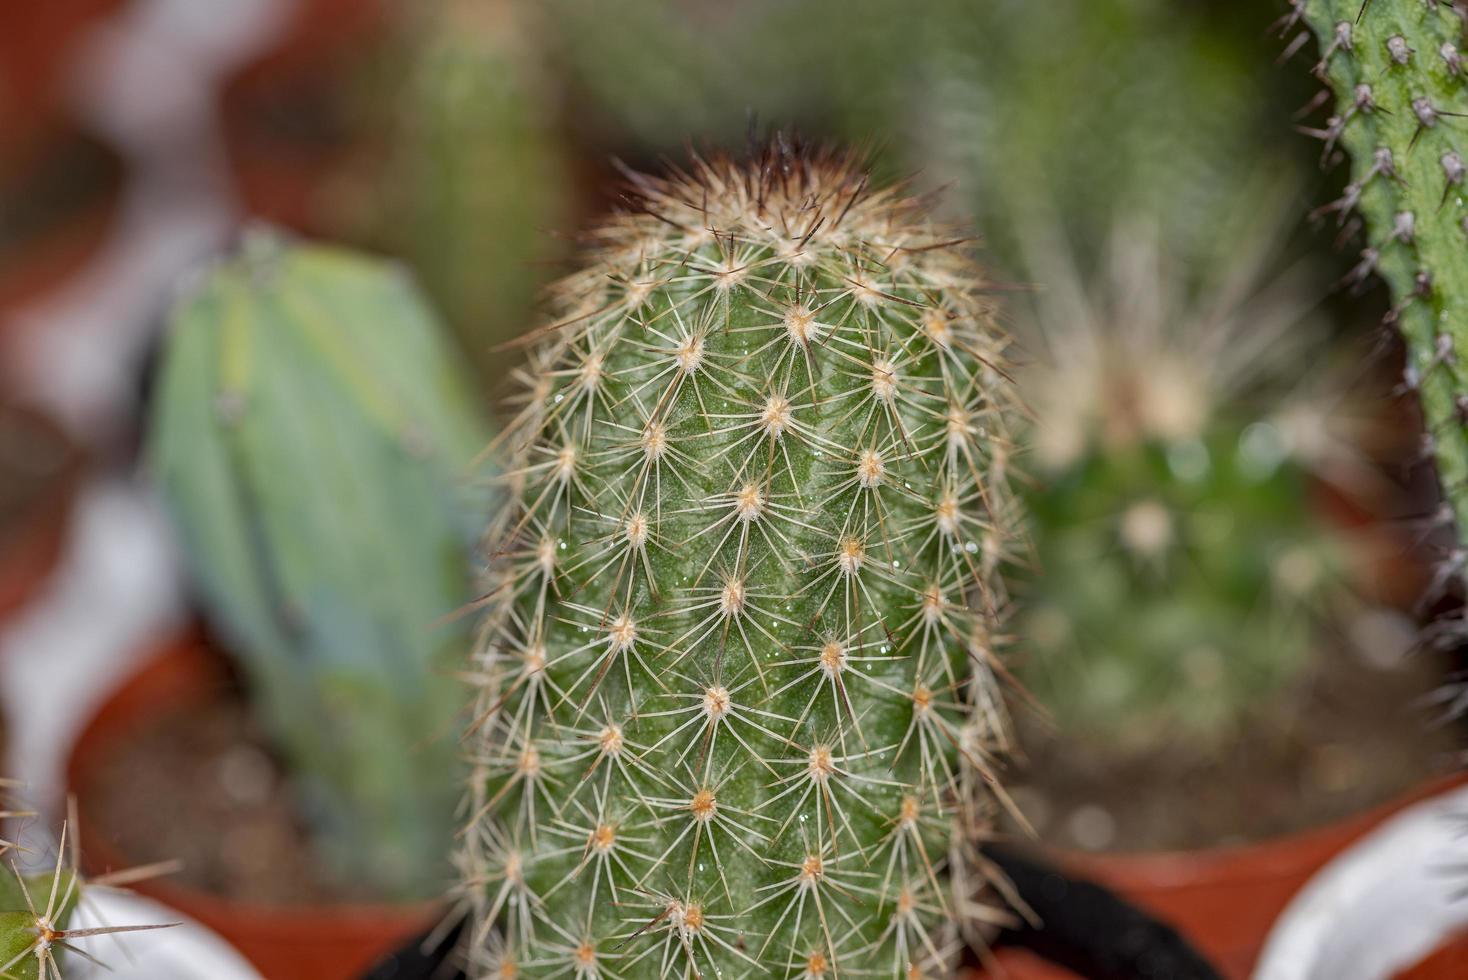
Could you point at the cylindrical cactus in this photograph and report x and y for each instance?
(1400, 85)
(312, 436)
(34, 912)
(739, 713)
(471, 180)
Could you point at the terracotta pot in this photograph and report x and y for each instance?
(288, 117)
(1448, 963)
(63, 206)
(1225, 901)
(31, 538)
(335, 942)
(37, 42)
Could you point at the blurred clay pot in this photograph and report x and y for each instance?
(40, 469)
(289, 121)
(37, 43)
(284, 942)
(1226, 900)
(1450, 962)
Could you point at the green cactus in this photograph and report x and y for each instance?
(1079, 110)
(739, 711)
(471, 180)
(34, 911)
(312, 436)
(1400, 90)
(1180, 565)
(662, 69)
(36, 908)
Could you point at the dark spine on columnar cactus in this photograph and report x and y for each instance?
(1400, 89)
(738, 703)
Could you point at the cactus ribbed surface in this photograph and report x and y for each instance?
(312, 437)
(739, 713)
(1400, 89)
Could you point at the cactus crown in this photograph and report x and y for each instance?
(738, 697)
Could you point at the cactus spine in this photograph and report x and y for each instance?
(1401, 112)
(34, 912)
(312, 436)
(36, 908)
(738, 702)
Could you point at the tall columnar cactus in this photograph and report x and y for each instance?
(739, 712)
(472, 180)
(313, 435)
(1396, 69)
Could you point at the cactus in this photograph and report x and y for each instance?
(662, 69)
(311, 436)
(739, 714)
(1079, 110)
(34, 912)
(1400, 90)
(36, 907)
(471, 180)
(1180, 564)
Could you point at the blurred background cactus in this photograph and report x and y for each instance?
(313, 438)
(1183, 566)
(466, 182)
(1078, 111)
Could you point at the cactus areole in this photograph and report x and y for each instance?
(738, 709)
(1400, 110)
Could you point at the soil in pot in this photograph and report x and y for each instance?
(198, 784)
(1352, 734)
(56, 211)
(172, 767)
(1216, 843)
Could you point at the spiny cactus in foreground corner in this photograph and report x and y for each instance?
(312, 437)
(1400, 86)
(36, 908)
(739, 709)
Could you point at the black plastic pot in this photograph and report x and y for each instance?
(418, 960)
(1087, 929)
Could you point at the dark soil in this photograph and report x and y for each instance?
(1351, 736)
(198, 784)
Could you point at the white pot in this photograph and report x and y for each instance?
(184, 952)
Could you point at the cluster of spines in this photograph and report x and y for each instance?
(36, 908)
(739, 712)
(1398, 97)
